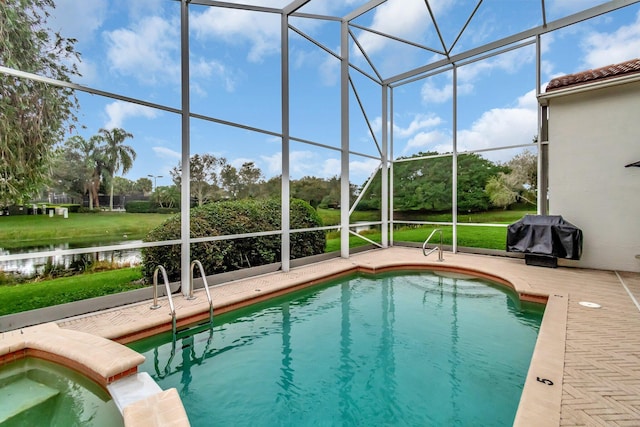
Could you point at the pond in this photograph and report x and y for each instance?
(33, 266)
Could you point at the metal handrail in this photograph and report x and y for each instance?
(205, 284)
(438, 247)
(155, 305)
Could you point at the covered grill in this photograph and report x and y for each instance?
(544, 238)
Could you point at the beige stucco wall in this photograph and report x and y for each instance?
(592, 136)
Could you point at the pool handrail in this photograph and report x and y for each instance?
(204, 283)
(155, 305)
(438, 247)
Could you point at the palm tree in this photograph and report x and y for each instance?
(91, 165)
(117, 155)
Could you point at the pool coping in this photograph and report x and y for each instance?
(541, 399)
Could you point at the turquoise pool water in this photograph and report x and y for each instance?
(34, 392)
(404, 349)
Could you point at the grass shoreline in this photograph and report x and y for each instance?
(43, 293)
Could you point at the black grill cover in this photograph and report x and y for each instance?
(547, 235)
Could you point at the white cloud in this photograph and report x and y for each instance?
(359, 170)
(318, 61)
(260, 30)
(78, 19)
(203, 69)
(494, 128)
(167, 153)
(301, 163)
(439, 89)
(88, 71)
(435, 140)
(329, 71)
(436, 94)
(502, 126)
(119, 111)
(609, 48)
(273, 164)
(402, 18)
(239, 161)
(308, 163)
(566, 7)
(419, 122)
(509, 62)
(149, 53)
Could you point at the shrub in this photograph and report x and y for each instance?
(234, 217)
(140, 206)
(167, 210)
(87, 210)
(210, 254)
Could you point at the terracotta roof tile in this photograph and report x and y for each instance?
(610, 71)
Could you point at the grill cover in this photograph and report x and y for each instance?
(548, 235)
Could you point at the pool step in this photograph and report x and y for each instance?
(20, 396)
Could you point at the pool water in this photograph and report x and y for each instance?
(412, 349)
(36, 392)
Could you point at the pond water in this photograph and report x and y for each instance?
(33, 266)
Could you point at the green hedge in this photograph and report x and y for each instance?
(146, 206)
(89, 210)
(235, 217)
(140, 206)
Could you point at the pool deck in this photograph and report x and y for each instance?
(585, 369)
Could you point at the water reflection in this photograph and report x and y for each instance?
(34, 266)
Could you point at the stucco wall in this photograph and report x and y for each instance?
(592, 136)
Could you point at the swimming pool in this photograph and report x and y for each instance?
(392, 349)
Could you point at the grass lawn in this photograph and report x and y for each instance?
(469, 236)
(29, 296)
(37, 230)
(17, 231)
(498, 216)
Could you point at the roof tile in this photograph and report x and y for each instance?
(610, 71)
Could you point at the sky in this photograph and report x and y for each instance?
(132, 49)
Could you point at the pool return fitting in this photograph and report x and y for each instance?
(437, 247)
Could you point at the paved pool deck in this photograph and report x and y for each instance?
(585, 369)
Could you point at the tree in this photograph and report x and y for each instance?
(250, 177)
(230, 181)
(332, 198)
(427, 184)
(500, 191)
(123, 186)
(203, 171)
(271, 187)
(117, 155)
(90, 166)
(524, 167)
(167, 196)
(310, 189)
(65, 174)
(144, 185)
(473, 173)
(33, 115)
(518, 184)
